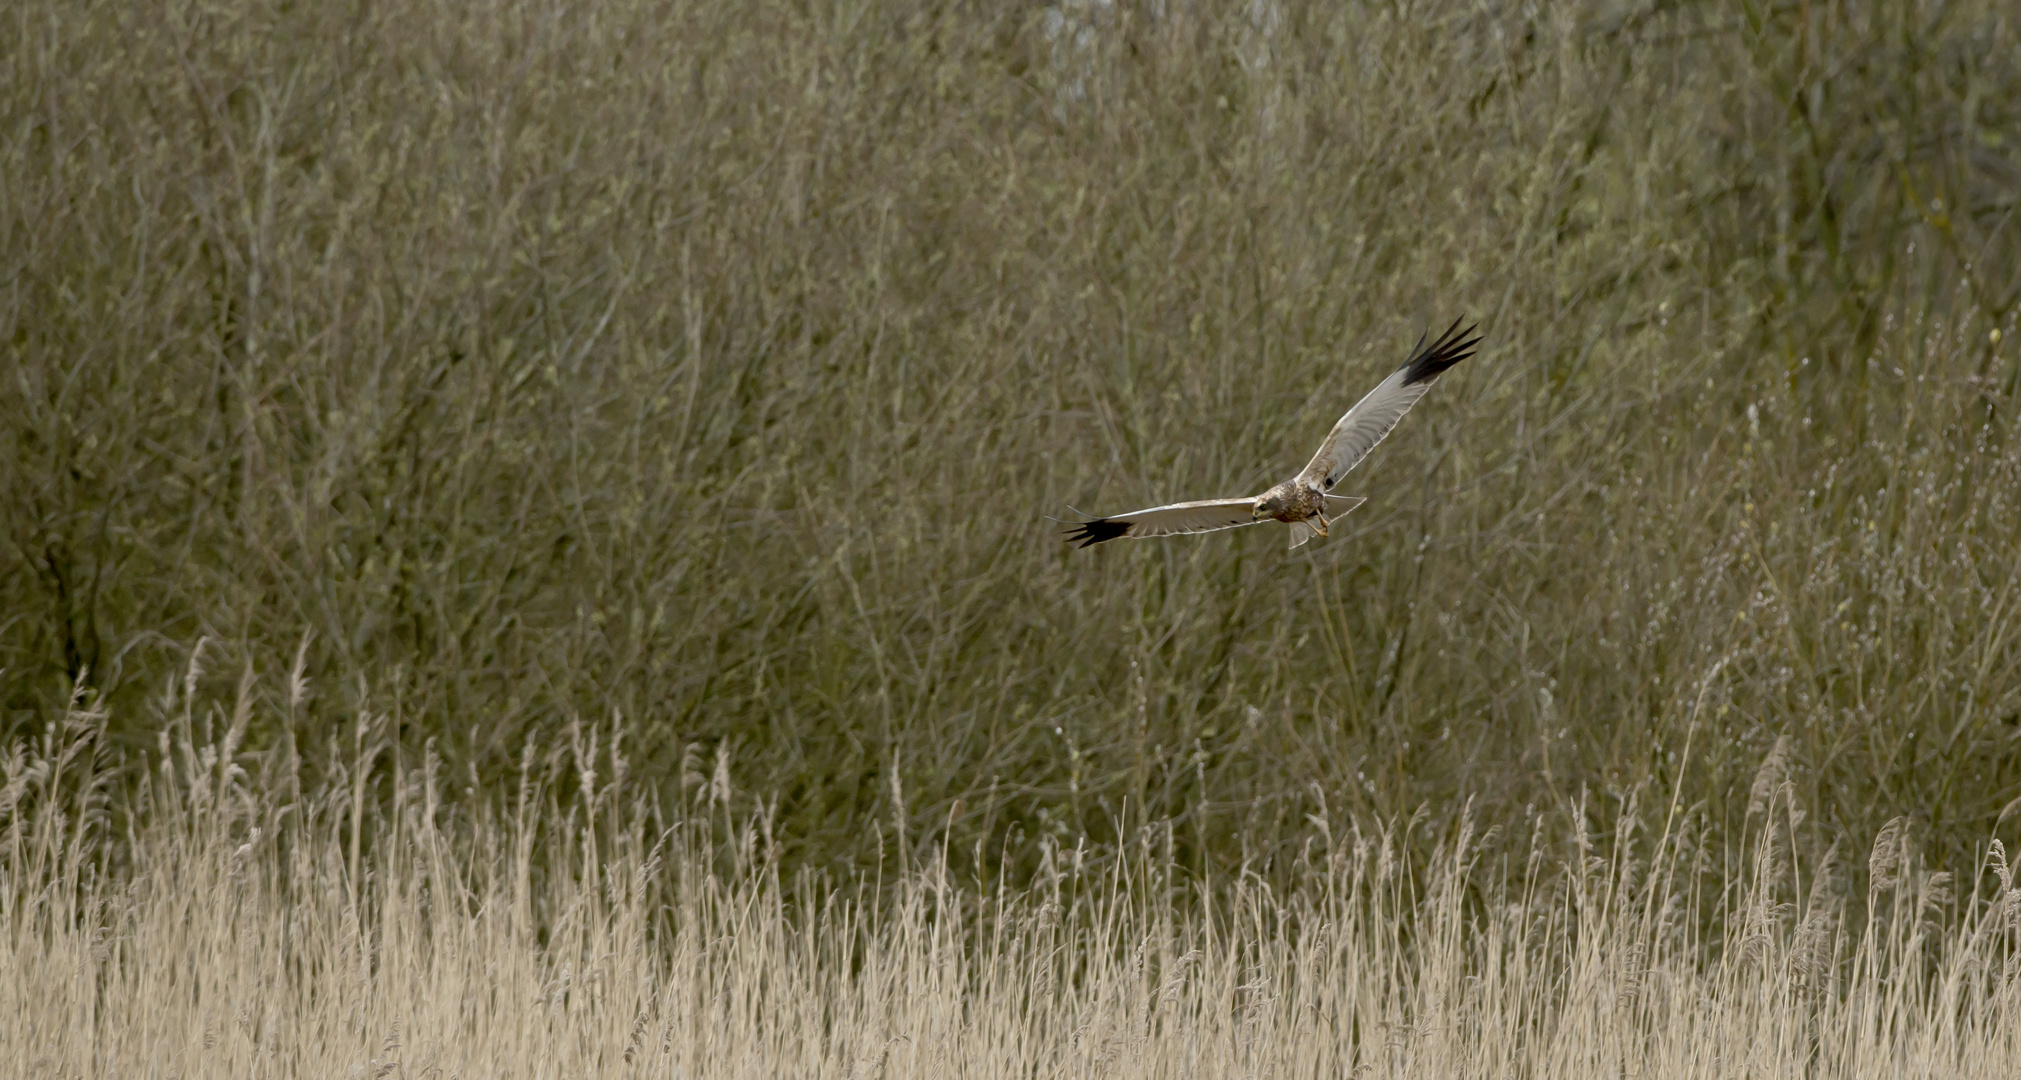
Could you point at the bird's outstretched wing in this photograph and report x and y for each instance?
(1373, 416)
(1186, 517)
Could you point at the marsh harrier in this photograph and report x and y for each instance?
(1305, 502)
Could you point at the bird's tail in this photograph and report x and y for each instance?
(1301, 531)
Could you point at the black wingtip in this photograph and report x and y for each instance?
(1096, 531)
(1429, 362)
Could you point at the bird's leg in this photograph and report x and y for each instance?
(1318, 523)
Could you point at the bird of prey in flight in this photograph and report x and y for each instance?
(1305, 502)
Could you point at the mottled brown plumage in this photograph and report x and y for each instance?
(1294, 500)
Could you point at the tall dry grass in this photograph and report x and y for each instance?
(225, 923)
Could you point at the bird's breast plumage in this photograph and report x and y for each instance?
(1292, 501)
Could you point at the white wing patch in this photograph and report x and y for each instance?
(1376, 415)
(1187, 517)
(1365, 425)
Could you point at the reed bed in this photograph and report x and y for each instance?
(224, 924)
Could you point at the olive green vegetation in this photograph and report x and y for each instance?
(708, 372)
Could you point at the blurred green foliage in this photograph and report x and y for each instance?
(709, 371)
